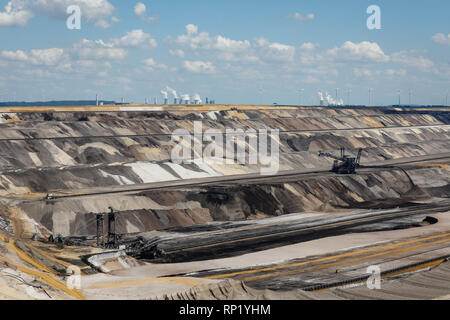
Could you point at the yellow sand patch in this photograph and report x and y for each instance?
(37, 162)
(435, 165)
(371, 122)
(235, 114)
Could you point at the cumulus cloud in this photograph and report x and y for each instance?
(18, 55)
(365, 52)
(177, 53)
(412, 59)
(19, 12)
(97, 49)
(140, 11)
(150, 65)
(115, 48)
(191, 29)
(309, 46)
(441, 38)
(48, 57)
(364, 72)
(136, 38)
(302, 17)
(227, 49)
(16, 14)
(204, 41)
(275, 51)
(199, 66)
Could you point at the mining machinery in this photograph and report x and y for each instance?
(343, 164)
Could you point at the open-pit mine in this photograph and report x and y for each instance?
(93, 205)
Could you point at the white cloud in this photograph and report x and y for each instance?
(222, 48)
(441, 38)
(177, 53)
(93, 11)
(103, 24)
(275, 51)
(364, 72)
(309, 46)
(18, 55)
(48, 57)
(412, 60)
(136, 38)
(150, 62)
(113, 50)
(191, 29)
(150, 65)
(302, 17)
(199, 66)
(204, 41)
(396, 73)
(365, 52)
(96, 50)
(18, 12)
(140, 11)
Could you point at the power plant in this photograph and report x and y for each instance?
(184, 99)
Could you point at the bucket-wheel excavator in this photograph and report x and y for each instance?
(343, 164)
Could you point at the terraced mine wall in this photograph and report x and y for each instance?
(158, 210)
(46, 152)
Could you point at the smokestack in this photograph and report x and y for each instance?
(123, 100)
(165, 96)
(96, 99)
(186, 99)
(321, 98)
(174, 94)
(196, 98)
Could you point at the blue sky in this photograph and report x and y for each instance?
(233, 51)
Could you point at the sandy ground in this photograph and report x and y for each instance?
(123, 283)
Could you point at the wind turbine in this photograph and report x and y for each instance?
(301, 93)
(337, 89)
(260, 95)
